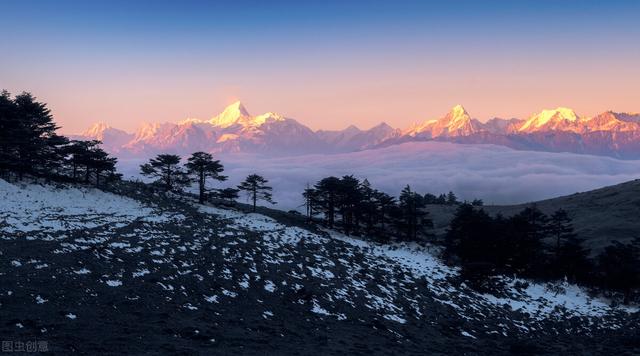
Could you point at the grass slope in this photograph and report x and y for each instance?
(599, 216)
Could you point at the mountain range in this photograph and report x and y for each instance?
(235, 130)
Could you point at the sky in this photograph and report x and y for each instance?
(327, 64)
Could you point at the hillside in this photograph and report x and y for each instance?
(599, 216)
(95, 272)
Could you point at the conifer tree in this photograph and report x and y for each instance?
(348, 200)
(31, 132)
(9, 130)
(101, 163)
(560, 228)
(257, 189)
(201, 165)
(328, 191)
(413, 218)
(311, 203)
(452, 199)
(166, 168)
(228, 195)
(386, 203)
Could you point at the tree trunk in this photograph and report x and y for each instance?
(255, 197)
(201, 199)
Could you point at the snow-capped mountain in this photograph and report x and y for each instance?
(236, 130)
(456, 123)
(233, 130)
(555, 130)
(112, 139)
(560, 119)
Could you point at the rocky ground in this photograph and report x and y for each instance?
(94, 272)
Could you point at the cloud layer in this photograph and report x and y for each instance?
(496, 174)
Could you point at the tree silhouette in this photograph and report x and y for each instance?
(560, 228)
(348, 201)
(328, 192)
(166, 168)
(201, 165)
(101, 163)
(28, 142)
(257, 189)
(228, 195)
(311, 202)
(413, 217)
(619, 268)
(452, 199)
(386, 204)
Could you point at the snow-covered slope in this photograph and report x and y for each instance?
(560, 119)
(196, 278)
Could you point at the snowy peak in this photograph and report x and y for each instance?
(556, 119)
(231, 115)
(96, 130)
(457, 122)
(111, 138)
(237, 115)
(457, 114)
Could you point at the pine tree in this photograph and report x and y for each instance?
(201, 165)
(619, 268)
(386, 203)
(9, 133)
(101, 163)
(53, 155)
(311, 203)
(33, 128)
(166, 168)
(452, 199)
(413, 218)
(348, 201)
(560, 228)
(472, 239)
(228, 195)
(257, 189)
(328, 190)
(368, 206)
(430, 199)
(477, 202)
(525, 232)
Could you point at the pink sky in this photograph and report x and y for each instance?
(334, 99)
(327, 65)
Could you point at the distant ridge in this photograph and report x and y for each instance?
(236, 130)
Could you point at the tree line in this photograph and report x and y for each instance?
(201, 167)
(29, 145)
(529, 244)
(539, 246)
(356, 208)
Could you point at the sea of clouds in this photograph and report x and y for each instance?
(496, 174)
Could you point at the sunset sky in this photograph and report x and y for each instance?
(327, 64)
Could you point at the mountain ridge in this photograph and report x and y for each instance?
(236, 130)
